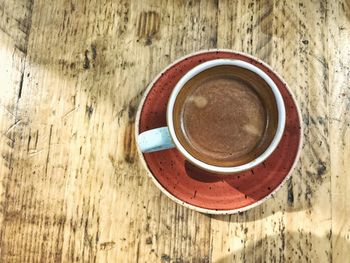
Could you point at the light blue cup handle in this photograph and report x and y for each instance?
(155, 140)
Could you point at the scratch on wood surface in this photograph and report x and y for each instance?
(165, 258)
(48, 150)
(138, 251)
(36, 139)
(29, 139)
(89, 110)
(322, 61)
(86, 64)
(87, 237)
(113, 161)
(12, 140)
(70, 112)
(290, 194)
(12, 126)
(7, 110)
(35, 152)
(107, 245)
(20, 86)
(148, 24)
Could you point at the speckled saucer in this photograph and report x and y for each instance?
(206, 192)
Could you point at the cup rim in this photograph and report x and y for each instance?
(280, 109)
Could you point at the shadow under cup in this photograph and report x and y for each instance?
(225, 116)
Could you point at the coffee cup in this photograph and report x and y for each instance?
(223, 116)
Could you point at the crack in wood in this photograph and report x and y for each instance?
(48, 150)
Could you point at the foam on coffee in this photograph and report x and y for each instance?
(225, 116)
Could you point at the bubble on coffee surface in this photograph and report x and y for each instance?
(254, 124)
(252, 129)
(199, 101)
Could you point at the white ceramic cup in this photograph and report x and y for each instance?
(165, 137)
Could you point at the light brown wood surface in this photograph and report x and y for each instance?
(72, 188)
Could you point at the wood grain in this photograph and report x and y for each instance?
(339, 126)
(72, 188)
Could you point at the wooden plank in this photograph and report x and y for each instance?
(78, 191)
(310, 240)
(339, 126)
(295, 225)
(15, 20)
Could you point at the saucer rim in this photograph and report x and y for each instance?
(197, 208)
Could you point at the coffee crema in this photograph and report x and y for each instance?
(225, 116)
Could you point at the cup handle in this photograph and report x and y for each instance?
(155, 140)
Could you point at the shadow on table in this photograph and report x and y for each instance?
(291, 247)
(252, 214)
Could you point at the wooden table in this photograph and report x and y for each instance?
(72, 186)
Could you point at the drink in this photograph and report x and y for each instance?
(225, 116)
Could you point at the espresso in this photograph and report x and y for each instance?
(225, 116)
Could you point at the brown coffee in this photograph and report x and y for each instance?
(225, 116)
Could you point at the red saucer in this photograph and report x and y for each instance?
(207, 192)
